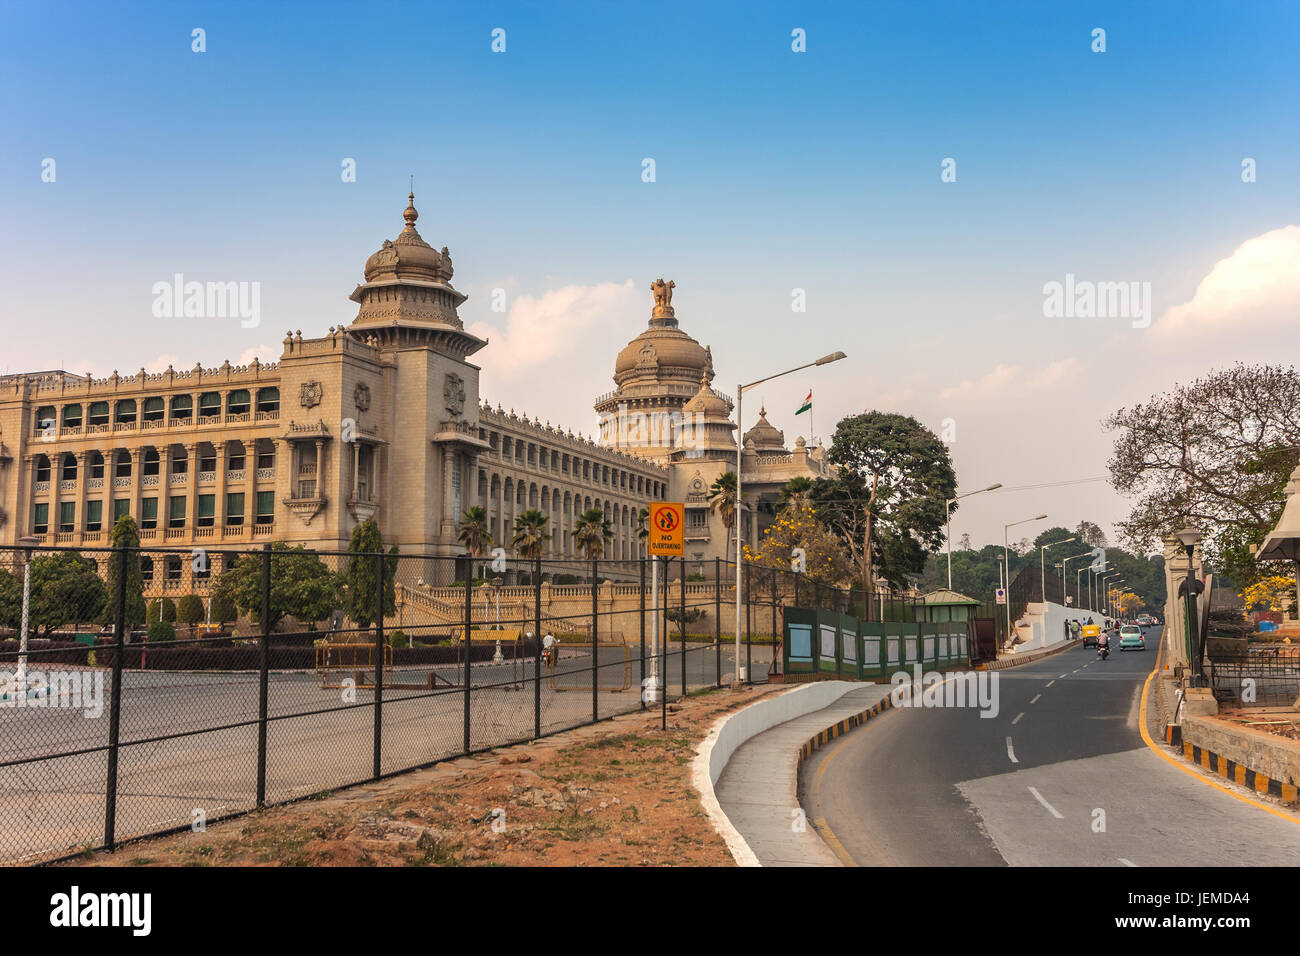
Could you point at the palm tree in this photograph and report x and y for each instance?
(591, 531)
(530, 533)
(474, 534)
(722, 499)
(796, 493)
(643, 525)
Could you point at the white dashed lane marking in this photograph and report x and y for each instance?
(1050, 809)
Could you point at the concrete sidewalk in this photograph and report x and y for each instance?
(758, 789)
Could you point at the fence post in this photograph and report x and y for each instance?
(263, 676)
(749, 628)
(772, 666)
(115, 704)
(379, 660)
(663, 654)
(642, 563)
(717, 620)
(469, 645)
(537, 648)
(681, 584)
(595, 640)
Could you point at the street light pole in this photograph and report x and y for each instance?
(1189, 536)
(1042, 566)
(1078, 596)
(741, 675)
(951, 502)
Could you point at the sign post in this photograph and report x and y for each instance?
(667, 538)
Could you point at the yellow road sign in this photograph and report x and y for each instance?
(667, 528)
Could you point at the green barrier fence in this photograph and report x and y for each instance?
(830, 643)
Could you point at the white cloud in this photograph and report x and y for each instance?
(1257, 286)
(263, 353)
(1014, 380)
(541, 328)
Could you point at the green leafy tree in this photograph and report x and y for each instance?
(11, 600)
(126, 535)
(681, 619)
(301, 586)
(223, 608)
(905, 474)
(66, 589)
(161, 631)
(154, 614)
(530, 533)
(167, 611)
(357, 594)
(190, 611)
(591, 531)
(722, 500)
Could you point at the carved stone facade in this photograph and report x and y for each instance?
(381, 419)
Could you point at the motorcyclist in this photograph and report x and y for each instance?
(1103, 645)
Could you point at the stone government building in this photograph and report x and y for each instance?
(380, 419)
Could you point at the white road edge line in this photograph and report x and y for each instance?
(1050, 809)
(1127, 862)
(1010, 752)
(1035, 700)
(1017, 720)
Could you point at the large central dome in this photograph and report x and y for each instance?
(658, 372)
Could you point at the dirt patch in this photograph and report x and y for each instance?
(1278, 721)
(614, 794)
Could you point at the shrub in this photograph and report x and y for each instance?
(223, 608)
(168, 612)
(398, 640)
(161, 631)
(190, 611)
(151, 616)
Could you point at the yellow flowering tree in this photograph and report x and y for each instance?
(798, 527)
(1272, 593)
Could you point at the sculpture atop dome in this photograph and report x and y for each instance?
(663, 293)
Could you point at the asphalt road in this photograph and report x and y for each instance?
(1061, 776)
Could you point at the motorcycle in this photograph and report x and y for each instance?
(1103, 652)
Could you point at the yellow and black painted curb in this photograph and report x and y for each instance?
(843, 727)
(1002, 663)
(1174, 735)
(1243, 776)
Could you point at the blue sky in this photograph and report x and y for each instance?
(775, 170)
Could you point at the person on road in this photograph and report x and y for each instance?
(548, 650)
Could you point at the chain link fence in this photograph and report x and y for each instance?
(147, 690)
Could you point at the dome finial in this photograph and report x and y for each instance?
(409, 213)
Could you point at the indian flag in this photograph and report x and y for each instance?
(807, 404)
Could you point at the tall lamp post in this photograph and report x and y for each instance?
(25, 545)
(1109, 607)
(1078, 594)
(1006, 555)
(1189, 536)
(951, 502)
(1042, 566)
(741, 675)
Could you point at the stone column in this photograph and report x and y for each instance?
(192, 482)
(320, 469)
(83, 478)
(137, 477)
(219, 512)
(356, 468)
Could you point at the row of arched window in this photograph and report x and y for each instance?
(126, 411)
